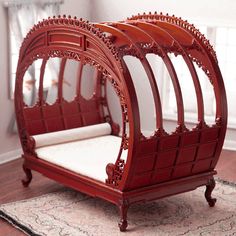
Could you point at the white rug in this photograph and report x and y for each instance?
(70, 213)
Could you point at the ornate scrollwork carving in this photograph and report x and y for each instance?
(76, 23)
(76, 56)
(160, 132)
(28, 143)
(64, 54)
(201, 125)
(130, 50)
(180, 129)
(151, 48)
(204, 68)
(119, 92)
(181, 23)
(125, 112)
(114, 172)
(29, 61)
(125, 142)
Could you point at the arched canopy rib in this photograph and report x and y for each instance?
(42, 71)
(124, 40)
(163, 37)
(79, 77)
(61, 78)
(139, 35)
(200, 53)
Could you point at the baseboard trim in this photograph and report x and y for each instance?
(10, 156)
(230, 145)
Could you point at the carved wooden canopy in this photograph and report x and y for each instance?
(103, 45)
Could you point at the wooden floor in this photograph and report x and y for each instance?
(12, 190)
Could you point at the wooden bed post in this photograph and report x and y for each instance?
(26, 181)
(209, 188)
(123, 207)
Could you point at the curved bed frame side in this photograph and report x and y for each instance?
(40, 44)
(204, 55)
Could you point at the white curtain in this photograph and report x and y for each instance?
(22, 16)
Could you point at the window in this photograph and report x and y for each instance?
(22, 15)
(226, 50)
(223, 41)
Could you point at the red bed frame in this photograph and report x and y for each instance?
(158, 166)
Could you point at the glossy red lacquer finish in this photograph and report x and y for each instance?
(157, 166)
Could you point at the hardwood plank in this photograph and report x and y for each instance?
(226, 167)
(11, 188)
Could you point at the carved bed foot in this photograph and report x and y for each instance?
(123, 208)
(209, 188)
(26, 181)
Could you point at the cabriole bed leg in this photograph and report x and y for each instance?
(123, 209)
(26, 181)
(209, 188)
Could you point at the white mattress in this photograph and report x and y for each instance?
(88, 157)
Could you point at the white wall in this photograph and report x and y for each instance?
(9, 143)
(78, 8)
(216, 10)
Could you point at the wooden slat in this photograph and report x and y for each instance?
(158, 33)
(139, 35)
(41, 77)
(148, 70)
(79, 77)
(61, 78)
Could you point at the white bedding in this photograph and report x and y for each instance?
(88, 157)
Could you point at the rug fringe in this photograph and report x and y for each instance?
(226, 182)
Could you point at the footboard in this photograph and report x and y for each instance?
(182, 154)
